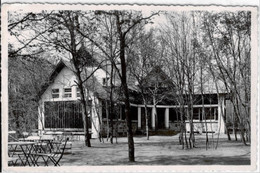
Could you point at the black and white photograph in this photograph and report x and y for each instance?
(129, 86)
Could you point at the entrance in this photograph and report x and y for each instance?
(161, 118)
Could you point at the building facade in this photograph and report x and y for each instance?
(60, 108)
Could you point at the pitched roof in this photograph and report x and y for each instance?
(157, 76)
(92, 83)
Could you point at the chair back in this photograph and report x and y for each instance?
(62, 150)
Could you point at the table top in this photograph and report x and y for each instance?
(43, 138)
(11, 132)
(33, 138)
(39, 138)
(21, 143)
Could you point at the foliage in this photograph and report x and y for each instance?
(25, 80)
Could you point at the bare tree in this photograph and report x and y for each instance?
(143, 55)
(182, 50)
(59, 30)
(125, 22)
(231, 52)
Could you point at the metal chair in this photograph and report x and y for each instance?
(54, 156)
(12, 161)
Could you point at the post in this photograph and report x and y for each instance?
(153, 118)
(139, 117)
(166, 118)
(94, 116)
(221, 109)
(41, 124)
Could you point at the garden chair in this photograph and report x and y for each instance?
(70, 136)
(12, 161)
(55, 156)
(12, 157)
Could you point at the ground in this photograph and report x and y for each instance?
(159, 150)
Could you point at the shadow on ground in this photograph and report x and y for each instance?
(159, 150)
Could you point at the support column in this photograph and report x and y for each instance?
(139, 118)
(41, 117)
(221, 109)
(153, 118)
(166, 118)
(94, 117)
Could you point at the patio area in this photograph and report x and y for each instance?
(159, 150)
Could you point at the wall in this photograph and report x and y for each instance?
(66, 78)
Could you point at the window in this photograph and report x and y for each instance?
(55, 93)
(197, 112)
(67, 92)
(211, 113)
(78, 92)
(104, 82)
(63, 114)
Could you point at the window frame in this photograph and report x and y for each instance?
(105, 81)
(55, 94)
(67, 94)
(78, 92)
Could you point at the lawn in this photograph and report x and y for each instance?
(159, 150)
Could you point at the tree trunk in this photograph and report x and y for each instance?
(84, 109)
(130, 138)
(84, 115)
(107, 119)
(111, 106)
(146, 120)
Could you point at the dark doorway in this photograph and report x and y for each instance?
(161, 118)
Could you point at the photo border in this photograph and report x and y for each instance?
(254, 92)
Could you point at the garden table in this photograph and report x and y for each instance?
(42, 143)
(48, 141)
(26, 147)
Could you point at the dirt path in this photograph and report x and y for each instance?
(159, 150)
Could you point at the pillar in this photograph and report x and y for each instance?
(166, 118)
(221, 109)
(153, 118)
(94, 116)
(139, 118)
(41, 117)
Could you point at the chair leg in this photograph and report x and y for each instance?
(24, 164)
(53, 161)
(35, 160)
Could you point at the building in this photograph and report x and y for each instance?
(60, 107)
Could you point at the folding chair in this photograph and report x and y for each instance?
(54, 156)
(12, 161)
(12, 158)
(15, 156)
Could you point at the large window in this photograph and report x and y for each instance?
(64, 114)
(67, 92)
(211, 113)
(55, 93)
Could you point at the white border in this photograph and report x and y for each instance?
(161, 2)
(4, 99)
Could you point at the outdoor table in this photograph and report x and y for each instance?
(32, 138)
(11, 135)
(26, 147)
(12, 132)
(48, 141)
(42, 143)
(58, 135)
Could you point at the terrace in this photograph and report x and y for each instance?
(159, 150)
